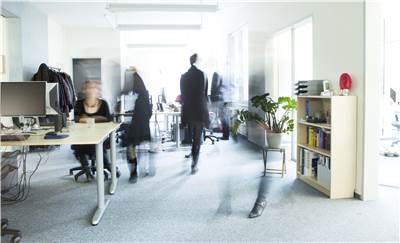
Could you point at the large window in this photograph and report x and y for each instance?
(292, 57)
(238, 65)
(292, 62)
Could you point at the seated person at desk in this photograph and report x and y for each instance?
(91, 106)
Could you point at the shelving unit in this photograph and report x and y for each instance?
(332, 146)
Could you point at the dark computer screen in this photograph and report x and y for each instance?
(393, 95)
(23, 98)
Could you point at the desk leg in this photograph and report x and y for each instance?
(113, 153)
(178, 135)
(101, 202)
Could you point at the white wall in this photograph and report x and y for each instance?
(338, 45)
(56, 45)
(34, 31)
(97, 43)
(373, 91)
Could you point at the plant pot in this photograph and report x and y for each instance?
(274, 139)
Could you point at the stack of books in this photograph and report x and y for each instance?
(310, 161)
(318, 138)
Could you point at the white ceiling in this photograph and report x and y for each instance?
(89, 13)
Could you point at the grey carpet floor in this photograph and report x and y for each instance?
(213, 205)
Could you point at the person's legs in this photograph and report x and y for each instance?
(132, 163)
(197, 131)
(81, 154)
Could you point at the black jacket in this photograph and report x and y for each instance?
(194, 86)
(139, 129)
(66, 89)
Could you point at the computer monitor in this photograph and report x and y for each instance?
(52, 100)
(393, 95)
(23, 98)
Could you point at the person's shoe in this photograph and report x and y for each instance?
(89, 175)
(118, 172)
(134, 174)
(194, 166)
(258, 208)
(194, 170)
(133, 178)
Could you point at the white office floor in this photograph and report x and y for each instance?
(389, 167)
(210, 206)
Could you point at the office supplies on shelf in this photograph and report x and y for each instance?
(309, 87)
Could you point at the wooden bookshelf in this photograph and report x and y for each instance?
(338, 180)
(324, 152)
(320, 125)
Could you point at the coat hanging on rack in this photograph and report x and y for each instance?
(67, 95)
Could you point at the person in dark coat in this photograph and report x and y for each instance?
(194, 86)
(139, 128)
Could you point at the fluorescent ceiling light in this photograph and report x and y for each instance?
(155, 45)
(157, 27)
(136, 7)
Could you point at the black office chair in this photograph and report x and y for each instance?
(208, 134)
(16, 234)
(92, 167)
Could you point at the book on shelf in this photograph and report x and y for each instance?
(310, 161)
(318, 138)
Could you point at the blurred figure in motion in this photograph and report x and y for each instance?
(261, 200)
(194, 97)
(139, 128)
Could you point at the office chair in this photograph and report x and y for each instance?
(16, 234)
(92, 169)
(396, 124)
(210, 136)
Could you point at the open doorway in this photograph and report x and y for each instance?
(85, 69)
(389, 164)
(292, 62)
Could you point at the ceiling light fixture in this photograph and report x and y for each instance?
(136, 7)
(155, 45)
(157, 27)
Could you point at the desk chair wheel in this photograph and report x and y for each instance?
(5, 231)
(16, 239)
(89, 176)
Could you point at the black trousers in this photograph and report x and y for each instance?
(196, 131)
(86, 152)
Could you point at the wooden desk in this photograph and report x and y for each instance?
(82, 134)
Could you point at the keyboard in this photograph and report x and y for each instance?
(10, 137)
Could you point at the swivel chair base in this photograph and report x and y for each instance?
(92, 172)
(16, 234)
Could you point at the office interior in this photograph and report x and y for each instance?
(254, 48)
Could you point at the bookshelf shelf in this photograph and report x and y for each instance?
(310, 180)
(316, 150)
(331, 171)
(314, 97)
(320, 125)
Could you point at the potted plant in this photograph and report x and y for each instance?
(277, 119)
